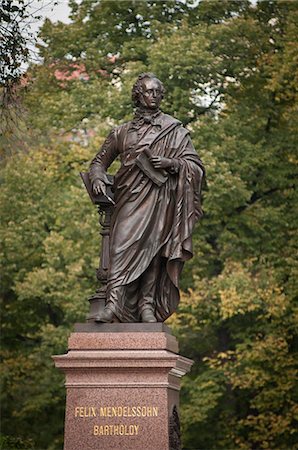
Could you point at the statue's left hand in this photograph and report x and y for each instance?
(159, 162)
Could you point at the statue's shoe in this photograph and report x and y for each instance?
(106, 316)
(148, 316)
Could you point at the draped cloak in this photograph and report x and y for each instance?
(150, 220)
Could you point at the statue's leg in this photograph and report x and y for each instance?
(123, 301)
(148, 282)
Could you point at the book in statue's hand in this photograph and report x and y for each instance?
(159, 177)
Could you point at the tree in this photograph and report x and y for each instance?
(243, 393)
(17, 50)
(230, 74)
(50, 247)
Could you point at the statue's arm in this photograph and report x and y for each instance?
(102, 161)
(104, 158)
(193, 158)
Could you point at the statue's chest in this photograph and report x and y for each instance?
(133, 140)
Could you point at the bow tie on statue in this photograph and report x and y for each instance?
(143, 117)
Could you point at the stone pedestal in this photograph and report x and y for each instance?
(123, 383)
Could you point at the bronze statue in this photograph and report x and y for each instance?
(157, 203)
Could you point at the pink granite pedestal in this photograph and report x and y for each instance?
(123, 383)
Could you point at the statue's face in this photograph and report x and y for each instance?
(151, 94)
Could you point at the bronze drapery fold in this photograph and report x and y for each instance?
(151, 225)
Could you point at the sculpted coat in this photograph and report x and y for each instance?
(152, 223)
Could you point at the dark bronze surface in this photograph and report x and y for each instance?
(157, 203)
(175, 433)
(105, 207)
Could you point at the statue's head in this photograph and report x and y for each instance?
(148, 91)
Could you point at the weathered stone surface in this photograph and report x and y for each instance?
(122, 388)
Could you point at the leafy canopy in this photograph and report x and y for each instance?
(229, 68)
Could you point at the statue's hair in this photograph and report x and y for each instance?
(137, 87)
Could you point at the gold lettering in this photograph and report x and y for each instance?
(117, 411)
(103, 412)
(116, 430)
(90, 411)
(85, 411)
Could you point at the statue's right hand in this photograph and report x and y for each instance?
(99, 187)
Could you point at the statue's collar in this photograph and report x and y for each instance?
(143, 115)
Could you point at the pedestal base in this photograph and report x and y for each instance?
(123, 383)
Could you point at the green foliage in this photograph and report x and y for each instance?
(10, 443)
(14, 51)
(50, 253)
(229, 69)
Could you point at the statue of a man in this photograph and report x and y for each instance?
(157, 203)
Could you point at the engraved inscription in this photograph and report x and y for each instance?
(103, 413)
(116, 430)
(116, 411)
(128, 411)
(85, 411)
